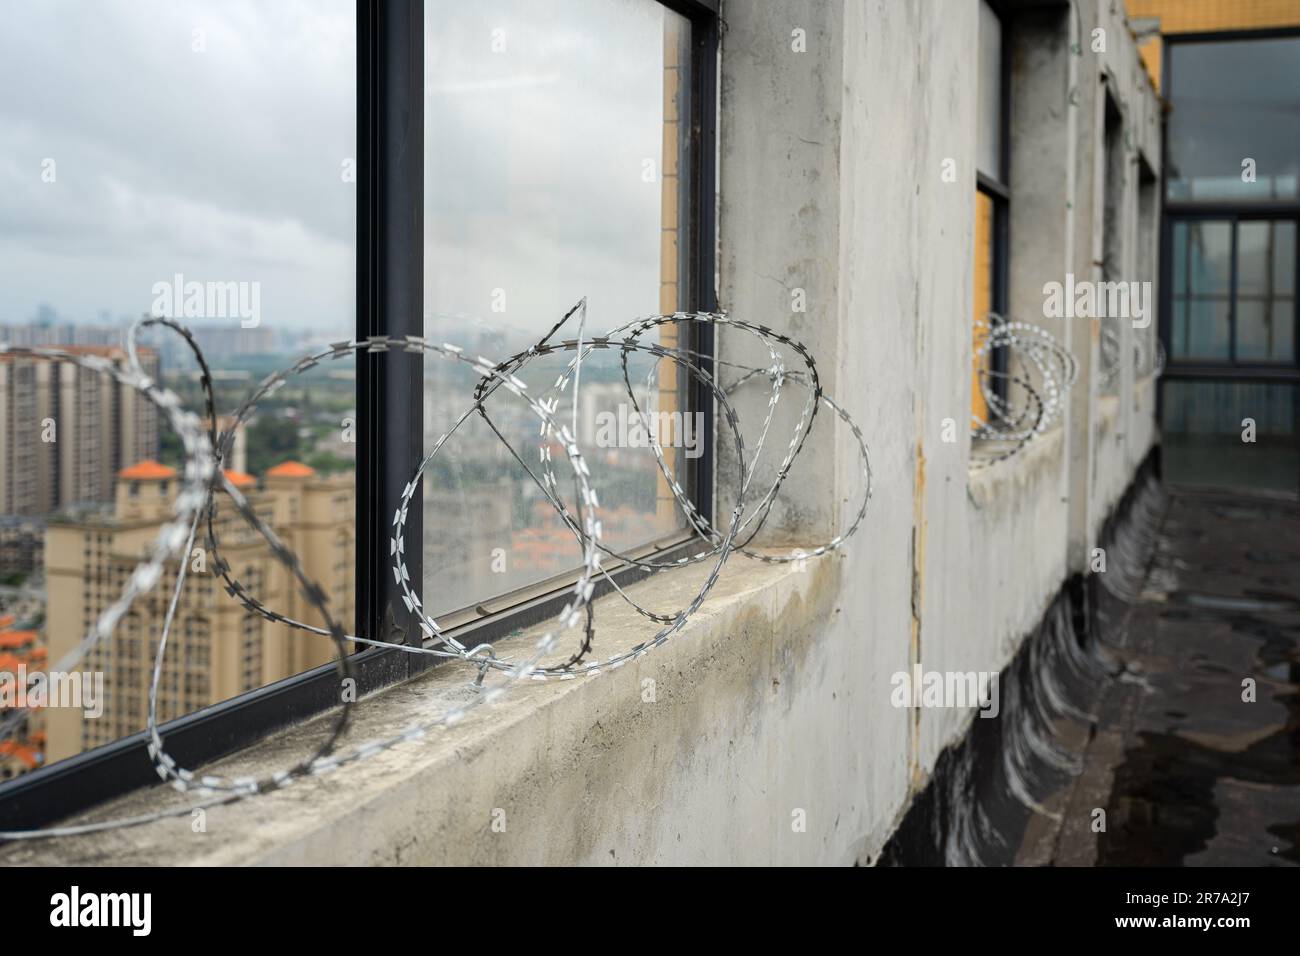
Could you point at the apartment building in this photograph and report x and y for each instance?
(217, 649)
(66, 431)
(20, 470)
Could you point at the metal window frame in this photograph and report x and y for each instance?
(390, 233)
(999, 191)
(1284, 207)
(1233, 211)
(1200, 367)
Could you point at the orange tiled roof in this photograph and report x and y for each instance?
(7, 621)
(240, 479)
(291, 469)
(147, 470)
(17, 638)
(28, 755)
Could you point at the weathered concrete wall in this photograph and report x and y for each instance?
(953, 567)
(1123, 434)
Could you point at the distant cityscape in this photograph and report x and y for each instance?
(88, 474)
(80, 502)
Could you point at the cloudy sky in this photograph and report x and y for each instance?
(224, 162)
(540, 118)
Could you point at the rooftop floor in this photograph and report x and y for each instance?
(1189, 766)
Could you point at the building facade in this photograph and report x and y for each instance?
(66, 431)
(217, 648)
(1227, 73)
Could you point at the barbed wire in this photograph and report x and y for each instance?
(1026, 395)
(206, 451)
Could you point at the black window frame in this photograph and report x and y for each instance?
(389, 290)
(1232, 211)
(998, 189)
(1232, 367)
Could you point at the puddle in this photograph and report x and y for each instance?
(1162, 809)
(1289, 832)
(1239, 512)
(1224, 602)
(1271, 557)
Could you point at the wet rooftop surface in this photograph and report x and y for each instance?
(1191, 767)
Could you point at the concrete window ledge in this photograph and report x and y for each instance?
(598, 770)
(1006, 482)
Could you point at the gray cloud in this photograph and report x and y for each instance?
(226, 164)
(221, 164)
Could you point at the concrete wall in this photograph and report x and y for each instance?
(835, 156)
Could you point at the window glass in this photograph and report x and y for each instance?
(1231, 102)
(1147, 250)
(1205, 314)
(989, 133)
(195, 160)
(1266, 291)
(1113, 226)
(984, 218)
(555, 169)
(1201, 295)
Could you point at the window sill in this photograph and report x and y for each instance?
(578, 767)
(1041, 458)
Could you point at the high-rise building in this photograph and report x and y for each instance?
(65, 430)
(19, 431)
(217, 649)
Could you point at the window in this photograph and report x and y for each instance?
(1233, 290)
(1232, 163)
(991, 211)
(1114, 203)
(1235, 119)
(569, 154)
(1229, 257)
(1147, 268)
(557, 167)
(218, 194)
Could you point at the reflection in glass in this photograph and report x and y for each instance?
(989, 133)
(1201, 299)
(1231, 101)
(1266, 291)
(188, 142)
(555, 159)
